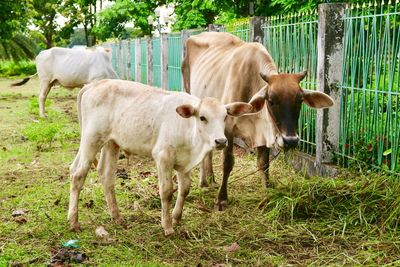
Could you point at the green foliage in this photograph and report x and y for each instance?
(19, 47)
(17, 68)
(13, 17)
(42, 133)
(34, 105)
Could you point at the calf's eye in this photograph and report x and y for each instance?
(203, 119)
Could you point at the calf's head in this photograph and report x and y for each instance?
(210, 118)
(283, 98)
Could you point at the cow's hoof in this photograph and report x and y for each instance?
(176, 221)
(119, 221)
(169, 232)
(203, 184)
(75, 227)
(221, 205)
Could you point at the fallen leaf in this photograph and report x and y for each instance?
(101, 232)
(202, 207)
(89, 204)
(20, 220)
(144, 174)
(232, 248)
(16, 264)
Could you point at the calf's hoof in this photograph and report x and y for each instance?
(119, 221)
(221, 205)
(169, 232)
(176, 221)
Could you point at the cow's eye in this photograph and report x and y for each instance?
(271, 103)
(203, 119)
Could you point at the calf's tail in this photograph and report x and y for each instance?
(24, 81)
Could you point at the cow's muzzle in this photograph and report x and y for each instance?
(290, 142)
(221, 143)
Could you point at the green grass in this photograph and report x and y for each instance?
(345, 221)
(17, 68)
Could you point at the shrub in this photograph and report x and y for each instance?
(19, 68)
(34, 105)
(42, 133)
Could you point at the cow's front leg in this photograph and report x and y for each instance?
(263, 164)
(106, 168)
(165, 167)
(228, 162)
(206, 171)
(183, 191)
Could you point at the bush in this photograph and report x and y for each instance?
(19, 68)
(42, 133)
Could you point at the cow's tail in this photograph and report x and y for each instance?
(24, 81)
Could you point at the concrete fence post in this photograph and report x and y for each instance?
(215, 27)
(121, 60)
(137, 60)
(128, 61)
(164, 60)
(184, 36)
(256, 29)
(149, 61)
(329, 74)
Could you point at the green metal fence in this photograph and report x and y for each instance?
(132, 60)
(115, 57)
(292, 42)
(143, 61)
(174, 62)
(240, 28)
(370, 119)
(156, 62)
(124, 59)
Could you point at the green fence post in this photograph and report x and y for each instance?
(329, 71)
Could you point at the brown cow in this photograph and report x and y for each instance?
(221, 65)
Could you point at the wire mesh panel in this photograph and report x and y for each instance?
(143, 61)
(156, 62)
(370, 121)
(174, 62)
(240, 28)
(292, 42)
(132, 60)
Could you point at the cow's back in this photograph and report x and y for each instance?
(73, 67)
(223, 66)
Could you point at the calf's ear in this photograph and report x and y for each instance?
(185, 111)
(316, 99)
(258, 101)
(238, 108)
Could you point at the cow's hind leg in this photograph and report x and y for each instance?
(263, 164)
(106, 168)
(43, 92)
(164, 160)
(183, 191)
(78, 173)
(206, 171)
(228, 162)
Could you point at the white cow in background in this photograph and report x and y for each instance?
(70, 68)
(176, 129)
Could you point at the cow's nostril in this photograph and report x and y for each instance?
(221, 141)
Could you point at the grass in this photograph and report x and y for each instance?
(351, 220)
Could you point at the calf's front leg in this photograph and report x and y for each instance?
(183, 191)
(263, 164)
(164, 161)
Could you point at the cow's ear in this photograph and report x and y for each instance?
(258, 100)
(267, 77)
(186, 111)
(238, 108)
(316, 99)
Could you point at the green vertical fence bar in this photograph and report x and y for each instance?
(156, 62)
(369, 127)
(124, 59)
(174, 62)
(115, 57)
(292, 42)
(132, 60)
(143, 60)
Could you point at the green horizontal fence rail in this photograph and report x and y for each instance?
(240, 28)
(156, 62)
(143, 61)
(370, 119)
(292, 42)
(174, 62)
(132, 60)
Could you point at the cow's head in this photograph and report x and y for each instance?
(210, 118)
(283, 98)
